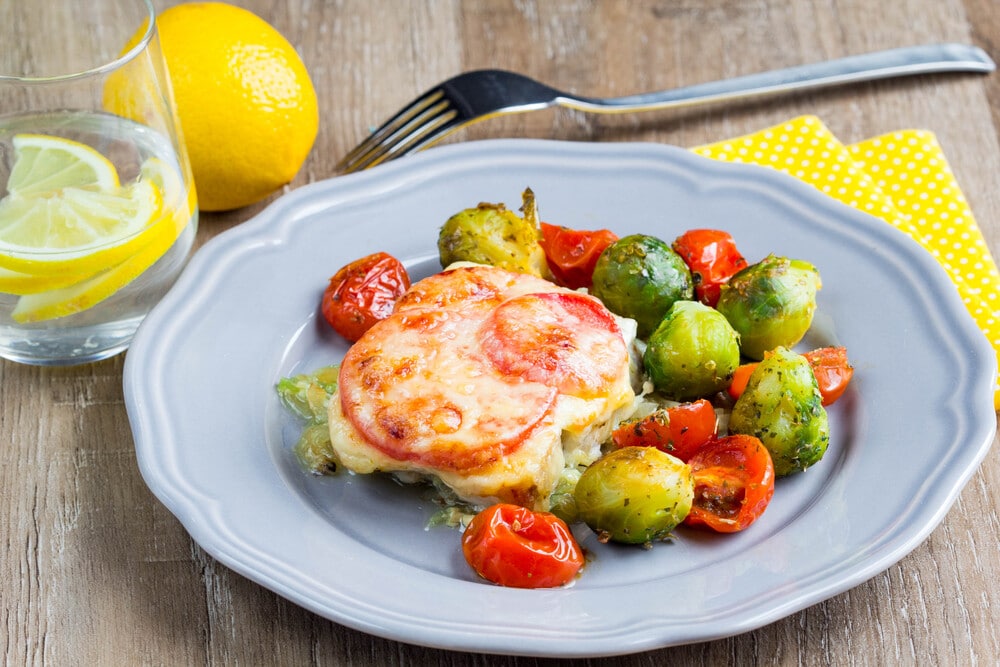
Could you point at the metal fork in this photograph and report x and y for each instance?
(482, 94)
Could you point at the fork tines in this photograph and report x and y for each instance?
(425, 119)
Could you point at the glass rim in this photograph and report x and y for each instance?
(104, 68)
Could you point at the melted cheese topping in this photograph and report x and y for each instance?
(476, 378)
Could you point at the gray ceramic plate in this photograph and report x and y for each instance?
(214, 443)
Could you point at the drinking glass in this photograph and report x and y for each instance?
(98, 211)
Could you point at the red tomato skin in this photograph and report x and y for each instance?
(713, 258)
(679, 431)
(829, 364)
(362, 293)
(571, 254)
(514, 546)
(734, 483)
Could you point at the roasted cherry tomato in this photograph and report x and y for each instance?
(514, 546)
(362, 293)
(712, 256)
(830, 366)
(572, 254)
(678, 431)
(733, 483)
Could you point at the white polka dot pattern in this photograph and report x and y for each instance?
(902, 178)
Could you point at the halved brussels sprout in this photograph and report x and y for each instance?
(491, 234)
(693, 353)
(640, 277)
(634, 495)
(782, 406)
(770, 303)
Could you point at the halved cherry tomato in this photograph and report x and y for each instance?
(830, 366)
(678, 431)
(832, 370)
(733, 483)
(362, 293)
(712, 256)
(514, 546)
(572, 254)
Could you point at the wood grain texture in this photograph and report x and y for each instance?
(93, 570)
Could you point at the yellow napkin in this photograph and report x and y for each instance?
(901, 177)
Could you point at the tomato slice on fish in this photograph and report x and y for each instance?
(418, 391)
(561, 339)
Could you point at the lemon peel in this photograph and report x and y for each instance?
(15, 282)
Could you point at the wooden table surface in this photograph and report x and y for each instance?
(94, 570)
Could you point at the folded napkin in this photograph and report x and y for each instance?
(901, 177)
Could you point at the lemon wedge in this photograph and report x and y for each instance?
(44, 163)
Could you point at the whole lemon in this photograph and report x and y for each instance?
(246, 104)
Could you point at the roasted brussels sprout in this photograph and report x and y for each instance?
(634, 495)
(640, 276)
(693, 353)
(782, 406)
(491, 234)
(770, 303)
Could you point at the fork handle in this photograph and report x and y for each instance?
(868, 67)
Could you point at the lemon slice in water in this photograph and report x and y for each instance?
(43, 164)
(75, 231)
(67, 214)
(145, 249)
(71, 235)
(66, 301)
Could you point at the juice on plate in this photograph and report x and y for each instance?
(96, 223)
